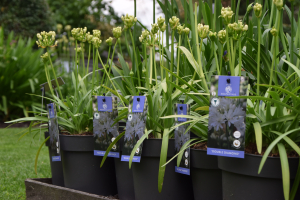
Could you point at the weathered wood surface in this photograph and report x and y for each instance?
(42, 189)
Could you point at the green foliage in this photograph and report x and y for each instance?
(25, 18)
(21, 72)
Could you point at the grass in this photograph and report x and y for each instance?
(17, 162)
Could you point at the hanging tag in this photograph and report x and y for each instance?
(135, 127)
(227, 117)
(181, 137)
(53, 132)
(105, 113)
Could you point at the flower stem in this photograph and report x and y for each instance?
(135, 59)
(151, 60)
(228, 51)
(240, 57)
(216, 58)
(88, 63)
(172, 52)
(53, 71)
(258, 56)
(178, 58)
(110, 78)
(154, 62)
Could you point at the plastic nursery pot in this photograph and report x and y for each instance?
(145, 175)
(56, 167)
(206, 175)
(242, 181)
(82, 169)
(123, 173)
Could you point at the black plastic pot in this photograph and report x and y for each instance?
(206, 175)
(56, 167)
(145, 175)
(82, 169)
(242, 181)
(123, 173)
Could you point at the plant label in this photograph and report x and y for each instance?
(53, 132)
(181, 137)
(105, 131)
(227, 116)
(135, 128)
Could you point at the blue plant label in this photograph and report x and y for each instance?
(181, 137)
(135, 128)
(51, 110)
(181, 110)
(134, 159)
(105, 129)
(182, 170)
(110, 154)
(56, 158)
(104, 104)
(138, 104)
(53, 132)
(229, 86)
(227, 117)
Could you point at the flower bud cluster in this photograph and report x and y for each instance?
(96, 42)
(109, 41)
(129, 21)
(89, 37)
(79, 34)
(274, 31)
(203, 30)
(186, 30)
(59, 27)
(180, 29)
(144, 38)
(222, 36)
(237, 29)
(45, 57)
(78, 49)
(46, 39)
(117, 32)
(257, 10)
(63, 39)
(174, 22)
(67, 27)
(97, 33)
(154, 28)
(226, 14)
(278, 4)
(212, 36)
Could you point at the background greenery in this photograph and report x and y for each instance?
(17, 162)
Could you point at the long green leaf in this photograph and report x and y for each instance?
(285, 171)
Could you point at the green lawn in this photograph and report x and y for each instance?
(17, 162)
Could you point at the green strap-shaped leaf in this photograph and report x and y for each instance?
(110, 146)
(285, 170)
(163, 159)
(38, 153)
(258, 136)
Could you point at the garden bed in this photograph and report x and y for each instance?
(42, 188)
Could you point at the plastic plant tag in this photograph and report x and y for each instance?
(181, 137)
(229, 86)
(135, 127)
(227, 118)
(53, 132)
(105, 131)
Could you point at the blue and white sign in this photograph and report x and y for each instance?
(134, 159)
(182, 170)
(225, 152)
(110, 154)
(56, 158)
(181, 110)
(229, 86)
(104, 104)
(51, 110)
(138, 104)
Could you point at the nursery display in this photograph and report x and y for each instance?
(232, 81)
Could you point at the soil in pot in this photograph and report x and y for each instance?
(82, 169)
(205, 173)
(242, 181)
(145, 175)
(56, 167)
(123, 173)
